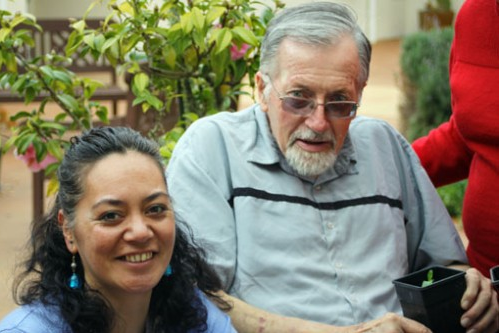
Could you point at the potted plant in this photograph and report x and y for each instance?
(494, 277)
(437, 14)
(432, 296)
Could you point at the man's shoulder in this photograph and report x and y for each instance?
(374, 129)
(34, 318)
(225, 120)
(219, 129)
(372, 124)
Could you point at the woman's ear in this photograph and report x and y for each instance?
(67, 232)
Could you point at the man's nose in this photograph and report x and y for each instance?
(317, 120)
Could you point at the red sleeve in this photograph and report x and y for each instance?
(443, 154)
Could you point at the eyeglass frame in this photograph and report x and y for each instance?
(312, 105)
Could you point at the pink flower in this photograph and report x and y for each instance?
(237, 53)
(29, 157)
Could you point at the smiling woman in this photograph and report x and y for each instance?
(108, 257)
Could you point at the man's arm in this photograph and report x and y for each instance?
(249, 319)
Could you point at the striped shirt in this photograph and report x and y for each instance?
(324, 249)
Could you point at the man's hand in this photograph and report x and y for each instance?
(480, 304)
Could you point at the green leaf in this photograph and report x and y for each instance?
(199, 40)
(141, 82)
(89, 39)
(127, 8)
(429, 279)
(214, 13)
(24, 141)
(69, 102)
(224, 40)
(154, 101)
(170, 56)
(62, 76)
(74, 41)
(60, 117)
(79, 26)
(109, 42)
(4, 32)
(29, 95)
(19, 84)
(197, 19)
(17, 20)
(47, 71)
(10, 62)
(99, 42)
(186, 22)
(245, 35)
(20, 115)
(40, 150)
(53, 125)
(102, 115)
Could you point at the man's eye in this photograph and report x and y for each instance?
(297, 93)
(338, 98)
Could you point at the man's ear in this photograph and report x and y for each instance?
(260, 86)
(67, 232)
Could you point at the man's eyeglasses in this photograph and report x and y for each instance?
(306, 106)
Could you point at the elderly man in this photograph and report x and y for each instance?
(307, 212)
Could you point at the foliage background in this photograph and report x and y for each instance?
(197, 57)
(424, 65)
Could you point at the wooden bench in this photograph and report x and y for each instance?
(54, 39)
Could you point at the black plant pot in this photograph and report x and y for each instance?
(494, 277)
(436, 306)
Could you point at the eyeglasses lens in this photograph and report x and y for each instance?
(340, 110)
(304, 107)
(299, 106)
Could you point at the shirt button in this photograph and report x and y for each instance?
(339, 265)
(318, 188)
(330, 225)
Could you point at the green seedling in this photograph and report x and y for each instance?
(429, 279)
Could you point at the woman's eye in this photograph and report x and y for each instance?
(109, 217)
(157, 209)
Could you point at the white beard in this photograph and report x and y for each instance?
(306, 163)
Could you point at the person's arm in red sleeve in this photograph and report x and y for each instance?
(443, 154)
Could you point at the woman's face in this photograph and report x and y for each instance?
(124, 227)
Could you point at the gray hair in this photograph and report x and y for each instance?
(317, 23)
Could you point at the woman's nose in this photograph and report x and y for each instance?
(138, 229)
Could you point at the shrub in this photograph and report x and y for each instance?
(425, 83)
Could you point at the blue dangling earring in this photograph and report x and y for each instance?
(169, 271)
(74, 280)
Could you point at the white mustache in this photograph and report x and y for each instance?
(308, 134)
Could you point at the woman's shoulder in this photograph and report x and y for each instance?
(34, 318)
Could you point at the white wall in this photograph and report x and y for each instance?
(13, 6)
(386, 19)
(65, 8)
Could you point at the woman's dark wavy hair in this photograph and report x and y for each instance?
(175, 304)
